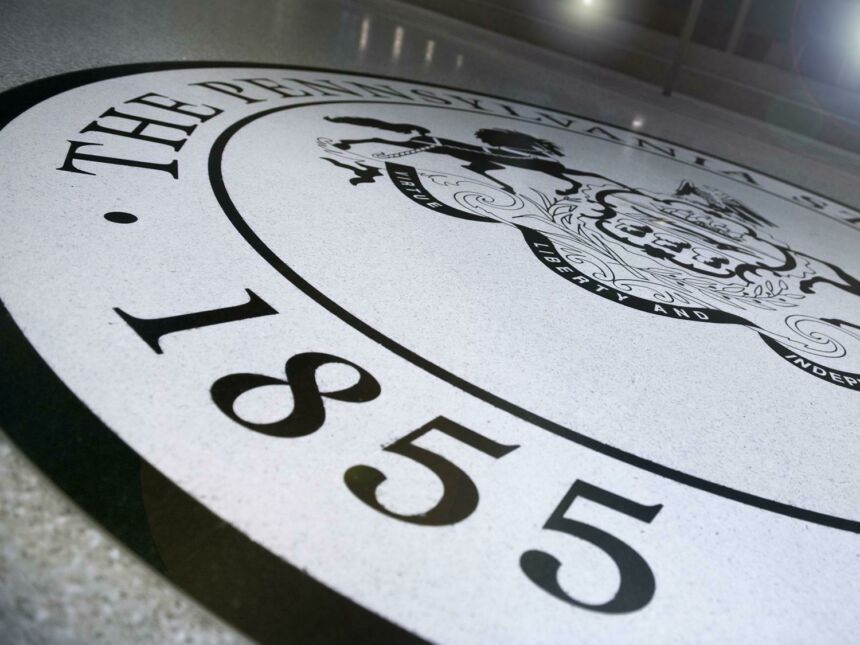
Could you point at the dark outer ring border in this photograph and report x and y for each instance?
(268, 598)
(27, 410)
(101, 474)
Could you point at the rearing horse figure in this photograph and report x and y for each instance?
(503, 149)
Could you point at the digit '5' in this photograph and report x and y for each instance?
(637, 580)
(459, 496)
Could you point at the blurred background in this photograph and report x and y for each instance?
(772, 84)
(793, 63)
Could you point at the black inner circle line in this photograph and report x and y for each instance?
(220, 191)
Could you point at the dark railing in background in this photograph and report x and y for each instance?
(815, 38)
(793, 63)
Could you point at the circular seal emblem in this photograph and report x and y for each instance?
(696, 253)
(402, 362)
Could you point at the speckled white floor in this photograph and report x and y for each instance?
(61, 578)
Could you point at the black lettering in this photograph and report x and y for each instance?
(325, 88)
(507, 108)
(139, 131)
(647, 145)
(172, 168)
(230, 89)
(597, 130)
(179, 107)
(431, 97)
(558, 120)
(742, 175)
(277, 88)
(809, 200)
(381, 91)
(152, 329)
(475, 103)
